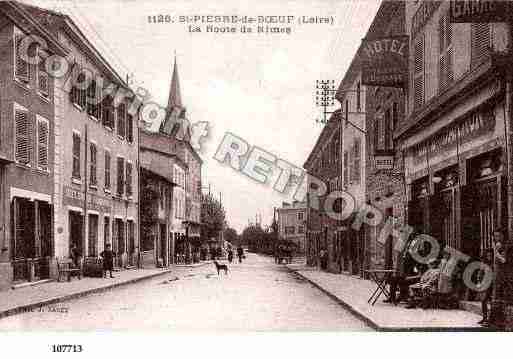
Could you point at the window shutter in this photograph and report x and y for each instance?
(107, 112)
(92, 175)
(346, 173)
(445, 71)
(76, 156)
(42, 144)
(130, 129)
(92, 93)
(21, 67)
(42, 79)
(121, 116)
(121, 173)
(480, 43)
(357, 161)
(107, 169)
(418, 76)
(128, 179)
(22, 137)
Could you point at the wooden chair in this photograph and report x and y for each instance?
(68, 268)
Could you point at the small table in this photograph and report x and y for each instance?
(380, 277)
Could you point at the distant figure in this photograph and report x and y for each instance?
(230, 255)
(240, 253)
(108, 261)
(76, 255)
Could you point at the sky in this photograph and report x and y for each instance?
(260, 87)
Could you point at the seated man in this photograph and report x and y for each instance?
(427, 284)
(406, 274)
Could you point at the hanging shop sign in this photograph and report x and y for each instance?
(385, 61)
(479, 11)
(475, 125)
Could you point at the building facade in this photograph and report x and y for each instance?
(27, 145)
(385, 187)
(453, 134)
(292, 224)
(184, 217)
(324, 164)
(96, 185)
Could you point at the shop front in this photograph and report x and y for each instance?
(31, 240)
(456, 181)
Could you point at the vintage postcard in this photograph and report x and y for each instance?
(237, 167)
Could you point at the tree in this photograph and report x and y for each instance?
(231, 235)
(213, 217)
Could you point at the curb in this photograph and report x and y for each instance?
(347, 306)
(379, 328)
(63, 298)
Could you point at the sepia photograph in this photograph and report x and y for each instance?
(241, 167)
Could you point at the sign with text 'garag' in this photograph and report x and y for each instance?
(480, 11)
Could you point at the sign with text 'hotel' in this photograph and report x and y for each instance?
(385, 61)
(479, 11)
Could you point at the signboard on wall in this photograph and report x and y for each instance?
(383, 162)
(479, 11)
(385, 61)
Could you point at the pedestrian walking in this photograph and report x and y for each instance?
(230, 255)
(240, 253)
(108, 261)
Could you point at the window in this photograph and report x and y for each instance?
(161, 195)
(388, 130)
(92, 169)
(43, 85)
(78, 95)
(21, 67)
(290, 230)
(445, 70)
(130, 128)
(23, 142)
(355, 176)
(480, 43)
(43, 136)
(93, 100)
(358, 97)
(346, 169)
(121, 116)
(93, 236)
(418, 72)
(395, 116)
(107, 170)
(106, 230)
(120, 174)
(300, 216)
(300, 229)
(76, 156)
(129, 179)
(107, 109)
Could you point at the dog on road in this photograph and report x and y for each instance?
(221, 267)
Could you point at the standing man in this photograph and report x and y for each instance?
(499, 260)
(108, 260)
(75, 255)
(240, 253)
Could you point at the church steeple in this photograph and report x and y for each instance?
(175, 96)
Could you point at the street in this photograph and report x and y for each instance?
(257, 295)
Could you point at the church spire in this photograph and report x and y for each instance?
(175, 96)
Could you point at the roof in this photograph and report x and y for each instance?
(53, 21)
(175, 96)
(25, 18)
